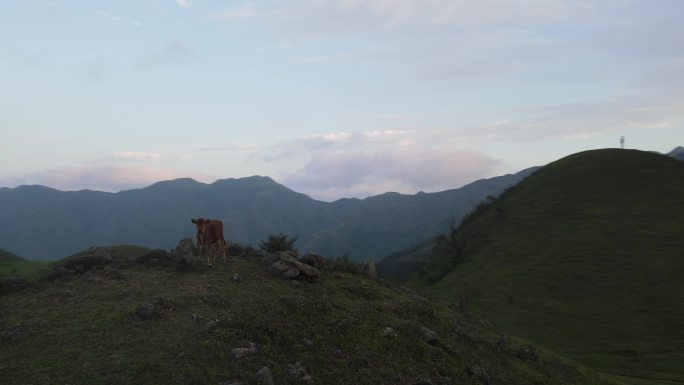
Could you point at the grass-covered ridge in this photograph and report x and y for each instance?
(129, 323)
(6, 256)
(586, 257)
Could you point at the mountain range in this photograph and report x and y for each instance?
(41, 223)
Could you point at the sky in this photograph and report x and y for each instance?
(332, 98)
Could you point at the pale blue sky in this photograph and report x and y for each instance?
(335, 99)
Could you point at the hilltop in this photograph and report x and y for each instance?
(6, 256)
(131, 316)
(583, 257)
(51, 224)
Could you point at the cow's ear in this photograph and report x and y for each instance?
(193, 221)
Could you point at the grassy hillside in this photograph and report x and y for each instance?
(137, 324)
(586, 256)
(6, 256)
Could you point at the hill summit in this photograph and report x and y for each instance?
(585, 256)
(127, 315)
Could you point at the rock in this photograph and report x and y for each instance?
(429, 336)
(236, 277)
(264, 376)
(336, 352)
(153, 309)
(145, 311)
(12, 284)
(527, 352)
(309, 343)
(296, 374)
(503, 344)
(210, 325)
(389, 332)
(312, 260)
(286, 266)
(478, 372)
(283, 270)
(239, 353)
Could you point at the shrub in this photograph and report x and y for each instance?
(278, 242)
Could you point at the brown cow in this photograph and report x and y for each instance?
(209, 233)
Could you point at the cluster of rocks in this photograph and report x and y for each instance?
(295, 373)
(286, 265)
(154, 309)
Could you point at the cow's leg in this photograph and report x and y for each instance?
(222, 245)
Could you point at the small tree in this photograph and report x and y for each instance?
(278, 242)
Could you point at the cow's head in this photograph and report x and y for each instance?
(200, 223)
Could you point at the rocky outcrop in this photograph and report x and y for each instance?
(286, 266)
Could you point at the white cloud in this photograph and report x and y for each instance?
(174, 54)
(103, 176)
(184, 3)
(143, 156)
(367, 163)
(108, 15)
(246, 11)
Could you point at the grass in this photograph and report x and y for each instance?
(84, 330)
(584, 257)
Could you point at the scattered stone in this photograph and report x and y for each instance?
(296, 374)
(154, 309)
(239, 353)
(309, 343)
(478, 372)
(429, 336)
(527, 352)
(313, 260)
(264, 376)
(145, 311)
(210, 325)
(236, 277)
(336, 352)
(503, 344)
(389, 332)
(286, 266)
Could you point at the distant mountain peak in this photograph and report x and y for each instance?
(676, 152)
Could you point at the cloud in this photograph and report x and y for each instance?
(174, 54)
(246, 11)
(372, 162)
(232, 146)
(143, 156)
(103, 176)
(184, 3)
(108, 15)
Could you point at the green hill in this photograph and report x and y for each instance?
(112, 321)
(586, 257)
(6, 256)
